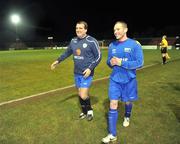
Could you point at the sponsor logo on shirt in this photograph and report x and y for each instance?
(128, 50)
(78, 51)
(124, 59)
(79, 57)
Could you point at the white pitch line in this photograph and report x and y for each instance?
(35, 95)
(58, 89)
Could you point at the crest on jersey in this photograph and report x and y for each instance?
(85, 45)
(78, 51)
(128, 50)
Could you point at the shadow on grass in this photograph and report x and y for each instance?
(176, 110)
(157, 61)
(68, 98)
(175, 86)
(94, 99)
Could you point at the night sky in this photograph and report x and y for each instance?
(42, 18)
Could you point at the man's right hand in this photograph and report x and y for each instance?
(54, 64)
(116, 61)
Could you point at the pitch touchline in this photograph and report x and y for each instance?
(58, 89)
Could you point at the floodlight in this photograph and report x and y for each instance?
(15, 19)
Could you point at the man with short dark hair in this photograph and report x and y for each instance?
(86, 56)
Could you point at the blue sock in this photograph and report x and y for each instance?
(128, 108)
(112, 119)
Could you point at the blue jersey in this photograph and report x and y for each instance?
(86, 54)
(130, 51)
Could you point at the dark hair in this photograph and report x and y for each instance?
(83, 22)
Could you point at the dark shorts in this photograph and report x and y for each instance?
(164, 50)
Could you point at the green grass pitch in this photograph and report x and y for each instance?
(53, 118)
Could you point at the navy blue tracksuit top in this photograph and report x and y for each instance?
(86, 54)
